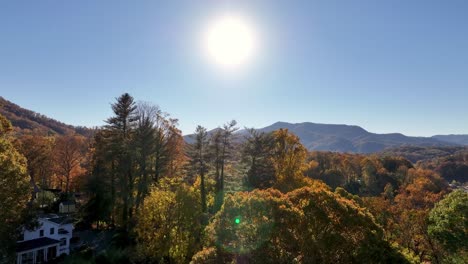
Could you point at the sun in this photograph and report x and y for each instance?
(230, 41)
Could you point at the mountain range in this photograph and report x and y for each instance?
(354, 139)
(326, 137)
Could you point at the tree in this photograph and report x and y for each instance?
(158, 147)
(101, 181)
(369, 176)
(15, 190)
(308, 225)
(139, 145)
(405, 217)
(120, 132)
(38, 151)
(422, 190)
(448, 222)
(198, 155)
(175, 156)
(5, 126)
(275, 159)
(388, 192)
(221, 147)
(162, 132)
(216, 146)
(227, 134)
(289, 160)
(145, 145)
(257, 153)
(169, 227)
(99, 206)
(69, 154)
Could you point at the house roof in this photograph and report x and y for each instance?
(46, 216)
(68, 203)
(35, 243)
(61, 220)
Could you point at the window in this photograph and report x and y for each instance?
(63, 242)
(52, 230)
(41, 233)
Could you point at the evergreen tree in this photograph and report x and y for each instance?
(257, 154)
(120, 130)
(198, 155)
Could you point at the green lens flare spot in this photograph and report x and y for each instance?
(237, 220)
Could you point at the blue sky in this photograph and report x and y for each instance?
(388, 66)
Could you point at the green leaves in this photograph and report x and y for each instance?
(448, 221)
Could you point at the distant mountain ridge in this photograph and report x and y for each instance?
(349, 138)
(346, 138)
(457, 139)
(26, 120)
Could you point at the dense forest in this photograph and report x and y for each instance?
(218, 199)
(27, 121)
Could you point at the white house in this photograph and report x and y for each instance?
(49, 240)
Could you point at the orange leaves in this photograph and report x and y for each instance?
(69, 154)
(424, 189)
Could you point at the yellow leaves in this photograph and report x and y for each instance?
(289, 160)
(210, 187)
(5, 126)
(15, 189)
(169, 222)
(311, 222)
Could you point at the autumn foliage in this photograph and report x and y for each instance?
(227, 197)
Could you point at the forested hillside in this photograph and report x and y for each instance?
(24, 120)
(418, 153)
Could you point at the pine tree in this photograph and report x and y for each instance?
(198, 155)
(120, 130)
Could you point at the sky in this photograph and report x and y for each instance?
(387, 66)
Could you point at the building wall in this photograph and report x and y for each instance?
(46, 226)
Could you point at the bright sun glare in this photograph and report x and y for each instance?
(230, 41)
